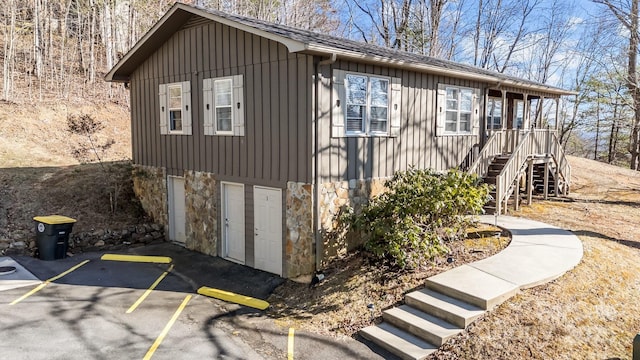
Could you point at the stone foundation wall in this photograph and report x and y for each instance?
(333, 199)
(300, 243)
(201, 212)
(150, 186)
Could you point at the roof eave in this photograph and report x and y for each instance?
(357, 56)
(175, 18)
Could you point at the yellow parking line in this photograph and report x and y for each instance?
(149, 290)
(137, 258)
(166, 329)
(41, 286)
(290, 345)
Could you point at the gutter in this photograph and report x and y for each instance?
(316, 178)
(357, 56)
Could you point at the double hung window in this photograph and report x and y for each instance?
(367, 102)
(459, 109)
(175, 113)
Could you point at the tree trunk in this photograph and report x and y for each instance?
(92, 43)
(476, 35)
(7, 75)
(633, 84)
(612, 143)
(595, 150)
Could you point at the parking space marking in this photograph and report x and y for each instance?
(166, 329)
(149, 290)
(47, 282)
(290, 344)
(137, 258)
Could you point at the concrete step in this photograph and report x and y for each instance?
(457, 312)
(420, 324)
(398, 342)
(472, 286)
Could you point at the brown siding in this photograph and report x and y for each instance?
(373, 157)
(276, 147)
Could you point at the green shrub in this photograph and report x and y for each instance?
(409, 224)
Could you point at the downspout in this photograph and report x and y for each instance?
(316, 178)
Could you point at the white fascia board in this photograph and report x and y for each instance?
(495, 81)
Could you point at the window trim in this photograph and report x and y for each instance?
(228, 79)
(170, 109)
(460, 90)
(366, 121)
(210, 121)
(164, 100)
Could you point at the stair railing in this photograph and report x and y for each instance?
(500, 142)
(506, 178)
(562, 163)
(492, 148)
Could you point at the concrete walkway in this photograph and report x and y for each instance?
(538, 253)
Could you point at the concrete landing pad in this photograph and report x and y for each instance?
(21, 277)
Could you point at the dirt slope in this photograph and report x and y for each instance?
(39, 176)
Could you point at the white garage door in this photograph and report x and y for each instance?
(268, 229)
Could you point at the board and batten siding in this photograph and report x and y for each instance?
(276, 147)
(347, 158)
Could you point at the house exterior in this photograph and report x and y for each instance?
(248, 137)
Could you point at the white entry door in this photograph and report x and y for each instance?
(233, 221)
(177, 214)
(268, 229)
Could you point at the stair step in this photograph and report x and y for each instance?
(457, 312)
(399, 342)
(420, 324)
(472, 286)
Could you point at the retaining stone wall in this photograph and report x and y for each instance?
(150, 186)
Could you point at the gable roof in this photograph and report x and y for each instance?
(303, 41)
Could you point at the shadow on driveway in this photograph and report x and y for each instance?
(191, 271)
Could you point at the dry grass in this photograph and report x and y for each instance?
(593, 311)
(338, 306)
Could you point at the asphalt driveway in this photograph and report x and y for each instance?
(97, 309)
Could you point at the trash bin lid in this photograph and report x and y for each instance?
(54, 219)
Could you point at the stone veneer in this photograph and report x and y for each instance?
(201, 212)
(299, 246)
(150, 186)
(333, 198)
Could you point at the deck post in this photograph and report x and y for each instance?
(557, 112)
(556, 187)
(516, 193)
(498, 196)
(546, 178)
(530, 183)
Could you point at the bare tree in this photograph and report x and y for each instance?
(9, 38)
(626, 11)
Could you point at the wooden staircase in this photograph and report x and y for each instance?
(514, 157)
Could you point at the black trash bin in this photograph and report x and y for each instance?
(52, 236)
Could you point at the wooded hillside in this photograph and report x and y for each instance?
(60, 50)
